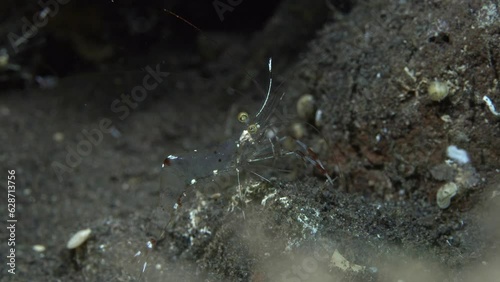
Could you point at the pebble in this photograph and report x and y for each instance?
(79, 238)
(58, 137)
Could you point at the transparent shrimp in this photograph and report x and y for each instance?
(259, 145)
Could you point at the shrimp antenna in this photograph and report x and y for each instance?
(184, 20)
(268, 88)
(252, 77)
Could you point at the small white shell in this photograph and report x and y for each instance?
(298, 130)
(4, 59)
(318, 118)
(39, 248)
(58, 137)
(438, 91)
(306, 107)
(79, 238)
(445, 193)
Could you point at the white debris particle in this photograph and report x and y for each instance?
(215, 172)
(318, 118)
(115, 132)
(194, 218)
(193, 181)
(338, 260)
(172, 157)
(490, 105)
(267, 197)
(205, 230)
(285, 201)
(246, 137)
(316, 212)
(79, 238)
(410, 73)
(487, 15)
(149, 244)
(446, 118)
(302, 218)
(456, 154)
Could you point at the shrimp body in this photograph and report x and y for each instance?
(203, 164)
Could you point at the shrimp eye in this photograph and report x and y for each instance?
(243, 117)
(252, 128)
